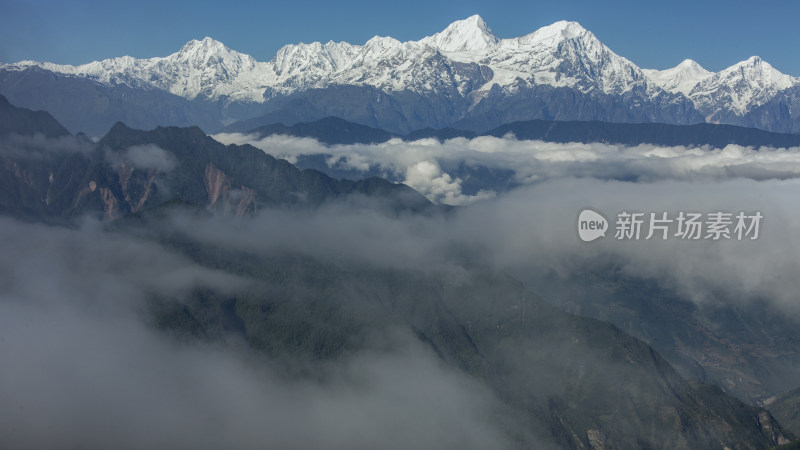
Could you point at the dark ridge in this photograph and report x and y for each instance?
(441, 135)
(329, 130)
(186, 167)
(86, 105)
(332, 130)
(645, 133)
(24, 121)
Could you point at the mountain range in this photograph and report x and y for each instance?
(50, 175)
(335, 130)
(464, 76)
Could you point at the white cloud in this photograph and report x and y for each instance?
(146, 157)
(533, 161)
(81, 364)
(428, 178)
(531, 228)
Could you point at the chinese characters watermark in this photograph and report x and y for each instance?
(714, 226)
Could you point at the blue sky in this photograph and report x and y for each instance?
(651, 34)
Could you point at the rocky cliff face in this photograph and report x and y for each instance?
(786, 408)
(129, 170)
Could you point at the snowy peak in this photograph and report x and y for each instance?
(208, 51)
(466, 58)
(753, 72)
(466, 35)
(757, 70)
(309, 65)
(380, 44)
(679, 79)
(557, 32)
(564, 54)
(691, 64)
(204, 45)
(727, 94)
(740, 88)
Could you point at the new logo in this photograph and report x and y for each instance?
(591, 225)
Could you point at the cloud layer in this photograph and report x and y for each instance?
(81, 368)
(430, 166)
(533, 227)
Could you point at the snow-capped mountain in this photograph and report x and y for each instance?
(468, 35)
(205, 68)
(382, 62)
(679, 79)
(728, 94)
(561, 71)
(561, 55)
(739, 88)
